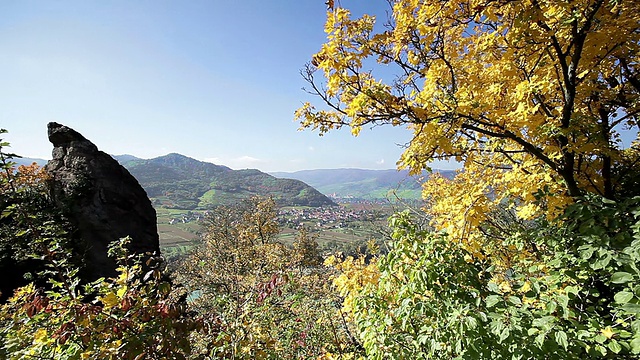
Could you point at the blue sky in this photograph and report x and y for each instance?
(215, 80)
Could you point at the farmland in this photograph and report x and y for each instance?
(336, 228)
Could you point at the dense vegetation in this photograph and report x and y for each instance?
(239, 294)
(531, 251)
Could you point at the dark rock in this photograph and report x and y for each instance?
(101, 198)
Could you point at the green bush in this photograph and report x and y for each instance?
(577, 297)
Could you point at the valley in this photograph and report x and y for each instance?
(345, 228)
(341, 208)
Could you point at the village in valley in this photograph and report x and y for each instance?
(345, 227)
(319, 218)
(328, 217)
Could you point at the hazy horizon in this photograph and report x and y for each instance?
(451, 167)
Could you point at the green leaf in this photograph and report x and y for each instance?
(493, 287)
(492, 300)
(572, 290)
(563, 300)
(503, 334)
(5, 213)
(561, 339)
(23, 232)
(515, 300)
(614, 346)
(631, 308)
(623, 297)
(621, 277)
(635, 345)
(624, 334)
(586, 252)
(543, 322)
(483, 317)
(601, 264)
(423, 338)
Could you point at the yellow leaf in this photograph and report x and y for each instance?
(110, 299)
(40, 336)
(607, 332)
(121, 292)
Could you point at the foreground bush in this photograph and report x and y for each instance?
(134, 316)
(577, 297)
(262, 299)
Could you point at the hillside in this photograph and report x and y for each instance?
(359, 183)
(125, 158)
(177, 181)
(29, 161)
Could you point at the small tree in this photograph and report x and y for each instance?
(133, 316)
(305, 249)
(250, 287)
(27, 218)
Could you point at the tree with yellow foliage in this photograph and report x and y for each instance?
(537, 238)
(530, 96)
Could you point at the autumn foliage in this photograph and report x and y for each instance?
(239, 294)
(264, 300)
(534, 247)
(531, 97)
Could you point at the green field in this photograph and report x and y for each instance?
(178, 234)
(288, 236)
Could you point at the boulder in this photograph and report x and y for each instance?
(101, 198)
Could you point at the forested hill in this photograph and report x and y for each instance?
(360, 183)
(29, 161)
(178, 181)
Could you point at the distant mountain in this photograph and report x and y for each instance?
(122, 159)
(29, 161)
(178, 181)
(364, 184)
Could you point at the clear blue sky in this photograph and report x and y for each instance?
(215, 80)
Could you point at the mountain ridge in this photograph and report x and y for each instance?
(178, 181)
(195, 191)
(364, 183)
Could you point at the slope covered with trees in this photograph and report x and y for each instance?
(363, 184)
(177, 181)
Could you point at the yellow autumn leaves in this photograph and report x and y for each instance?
(529, 96)
(354, 275)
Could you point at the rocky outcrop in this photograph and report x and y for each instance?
(101, 198)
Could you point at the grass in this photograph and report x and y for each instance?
(208, 199)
